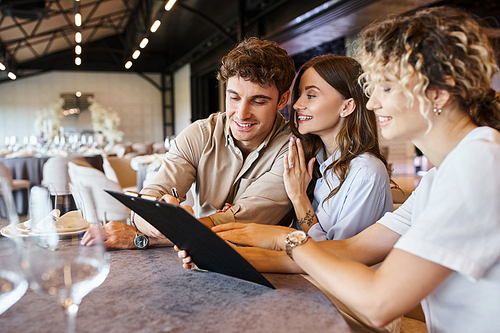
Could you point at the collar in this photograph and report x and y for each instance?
(320, 157)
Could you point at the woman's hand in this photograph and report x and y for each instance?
(186, 259)
(270, 237)
(297, 175)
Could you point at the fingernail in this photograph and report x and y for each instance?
(298, 140)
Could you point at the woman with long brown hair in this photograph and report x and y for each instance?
(350, 186)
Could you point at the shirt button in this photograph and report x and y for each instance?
(237, 151)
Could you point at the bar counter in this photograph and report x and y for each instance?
(149, 291)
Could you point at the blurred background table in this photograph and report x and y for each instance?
(149, 291)
(31, 168)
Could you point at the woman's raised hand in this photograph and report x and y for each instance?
(186, 259)
(268, 237)
(297, 175)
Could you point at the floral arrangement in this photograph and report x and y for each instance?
(105, 121)
(48, 120)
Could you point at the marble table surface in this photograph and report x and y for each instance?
(149, 291)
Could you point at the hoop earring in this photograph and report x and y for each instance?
(437, 111)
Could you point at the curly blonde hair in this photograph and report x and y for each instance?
(433, 45)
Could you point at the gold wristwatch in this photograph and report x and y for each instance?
(294, 239)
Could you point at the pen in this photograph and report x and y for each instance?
(174, 193)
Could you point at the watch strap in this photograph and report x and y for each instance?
(290, 245)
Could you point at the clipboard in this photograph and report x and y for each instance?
(207, 250)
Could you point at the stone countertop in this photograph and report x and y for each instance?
(149, 291)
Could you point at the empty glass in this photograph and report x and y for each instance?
(57, 263)
(13, 283)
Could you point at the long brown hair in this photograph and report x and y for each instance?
(359, 132)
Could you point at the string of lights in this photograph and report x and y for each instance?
(144, 42)
(7, 65)
(78, 34)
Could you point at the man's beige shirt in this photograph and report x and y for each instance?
(205, 154)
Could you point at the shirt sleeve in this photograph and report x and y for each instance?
(181, 159)
(365, 203)
(459, 226)
(262, 200)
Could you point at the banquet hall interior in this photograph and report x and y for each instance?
(110, 83)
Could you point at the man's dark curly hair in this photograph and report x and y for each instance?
(260, 61)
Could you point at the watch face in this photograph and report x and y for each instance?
(141, 241)
(297, 236)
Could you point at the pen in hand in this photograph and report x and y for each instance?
(174, 193)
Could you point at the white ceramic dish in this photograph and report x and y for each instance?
(8, 232)
(23, 228)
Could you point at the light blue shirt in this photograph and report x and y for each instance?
(364, 198)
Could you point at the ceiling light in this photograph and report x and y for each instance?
(78, 61)
(143, 43)
(2, 67)
(78, 94)
(12, 76)
(136, 54)
(170, 4)
(78, 19)
(128, 64)
(78, 49)
(78, 37)
(155, 26)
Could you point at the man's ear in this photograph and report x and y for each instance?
(283, 100)
(349, 107)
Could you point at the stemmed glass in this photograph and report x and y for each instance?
(57, 263)
(13, 283)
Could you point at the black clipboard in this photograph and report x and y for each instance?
(207, 250)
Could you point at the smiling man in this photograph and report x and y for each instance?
(234, 158)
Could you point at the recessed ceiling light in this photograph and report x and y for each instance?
(170, 4)
(143, 43)
(78, 19)
(155, 26)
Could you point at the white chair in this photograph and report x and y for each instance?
(106, 207)
(118, 169)
(56, 176)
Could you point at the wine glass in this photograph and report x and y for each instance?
(13, 283)
(57, 263)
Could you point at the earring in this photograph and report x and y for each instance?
(341, 114)
(436, 111)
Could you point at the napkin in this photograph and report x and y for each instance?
(54, 223)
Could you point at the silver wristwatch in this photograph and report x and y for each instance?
(294, 239)
(141, 241)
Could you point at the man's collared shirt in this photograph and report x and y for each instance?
(205, 154)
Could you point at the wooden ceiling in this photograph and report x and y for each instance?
(38, 36)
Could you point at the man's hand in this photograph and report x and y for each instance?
(225, 208)
(116, 236)
(269, 237)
